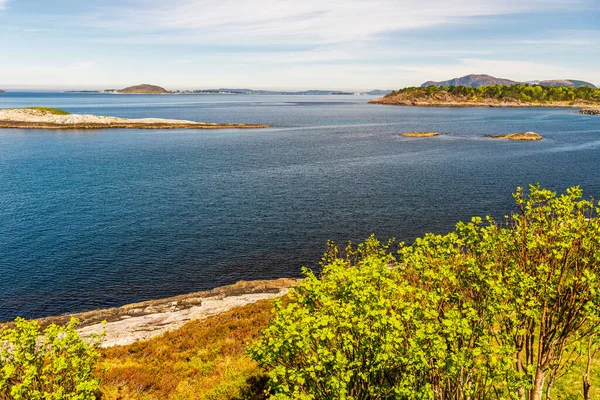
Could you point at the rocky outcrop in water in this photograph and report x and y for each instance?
(527, 136)
(49, 118)
(590, 111)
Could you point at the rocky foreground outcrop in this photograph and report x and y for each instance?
(590, 111)
(41, 118)
(140, 321)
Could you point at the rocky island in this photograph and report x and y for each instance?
(2, 91)
(420, 134)
(525, 136)
(51, 118)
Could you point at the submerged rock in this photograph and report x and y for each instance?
(420, 134)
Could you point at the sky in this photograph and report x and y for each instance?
(293, 44)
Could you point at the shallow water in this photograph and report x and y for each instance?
(103, 218)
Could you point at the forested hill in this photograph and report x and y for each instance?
(520, 95)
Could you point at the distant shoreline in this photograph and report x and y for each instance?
(382, 101)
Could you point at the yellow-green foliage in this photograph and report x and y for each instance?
(53, 364)
(520, 92)
(203, 360)
(490, 311)
(46, 110)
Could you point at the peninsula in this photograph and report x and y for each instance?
(519, 95)
(51, 118)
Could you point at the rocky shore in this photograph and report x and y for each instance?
(590, 111)
(139, 321)
(405, 101)
(42, 118)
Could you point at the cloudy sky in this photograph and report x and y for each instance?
(293, 44)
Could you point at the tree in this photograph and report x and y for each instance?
(56, 364)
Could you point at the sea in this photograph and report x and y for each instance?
(96, 219)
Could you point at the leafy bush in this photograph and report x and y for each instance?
(56, 364)
(485, 312)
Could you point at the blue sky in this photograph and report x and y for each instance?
(293, 44)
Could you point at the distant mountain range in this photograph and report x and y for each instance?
(487, 80)
(152, 89)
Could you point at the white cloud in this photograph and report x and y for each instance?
(293, 21)
(3, 4)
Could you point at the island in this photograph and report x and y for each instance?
(2, 91)
(143, 89)
(420, 134)
(518, 95)
(51, 118)
(525, 136)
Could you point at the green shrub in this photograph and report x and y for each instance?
(55, 364)
(485, 312)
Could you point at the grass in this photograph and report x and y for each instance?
(46, 110)
(203, 360)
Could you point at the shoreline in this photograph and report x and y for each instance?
(124, 125)
(481, 105)
(141, 321)
(144, 320)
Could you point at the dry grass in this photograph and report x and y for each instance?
(205, 360)
(202, 360)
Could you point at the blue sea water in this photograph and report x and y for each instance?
(93, 219)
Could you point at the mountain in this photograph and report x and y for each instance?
(378, 92)
(144, 89)
(487, 80)
(566, 82)
(472, 80)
